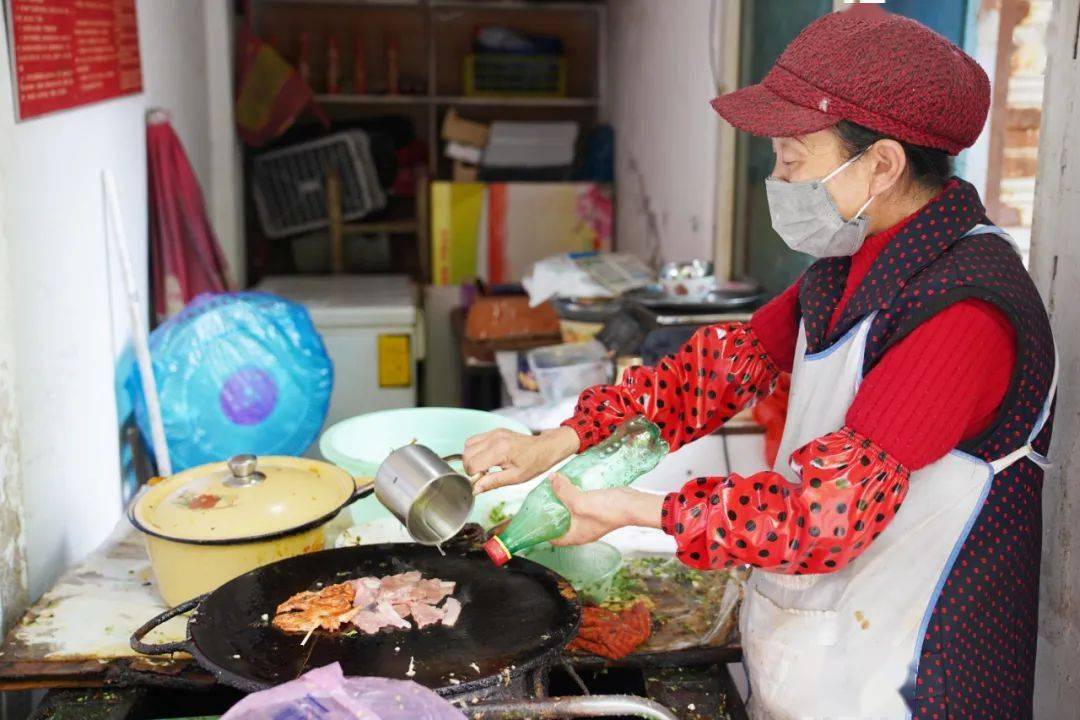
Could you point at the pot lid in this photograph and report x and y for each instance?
(244, 498)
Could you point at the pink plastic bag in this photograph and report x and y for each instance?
(326, 694)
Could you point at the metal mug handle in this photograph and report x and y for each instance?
(458, 456)
(165, 648)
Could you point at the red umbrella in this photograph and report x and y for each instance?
(185, 258)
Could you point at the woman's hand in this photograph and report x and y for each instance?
(520, 457)
(595, 513)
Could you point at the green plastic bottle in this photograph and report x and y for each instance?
(628, 453)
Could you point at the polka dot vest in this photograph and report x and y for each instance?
(978, 655)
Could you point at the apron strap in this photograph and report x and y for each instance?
(1045, 414)
(1026, 451)
(985, 229)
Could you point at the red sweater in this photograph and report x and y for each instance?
(941, 384)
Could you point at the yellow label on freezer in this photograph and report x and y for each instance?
(395, 361)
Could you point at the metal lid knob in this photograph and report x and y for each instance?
(244, 471)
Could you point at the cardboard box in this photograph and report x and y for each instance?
(464, 172)
(521, 145)
(504, 317)
(467, 132)
(526, 222)
(456, 210)
(465, 153)
(497, 231)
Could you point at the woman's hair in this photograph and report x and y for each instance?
(929, 167)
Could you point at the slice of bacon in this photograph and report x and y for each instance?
(425, 614)
(451, 611)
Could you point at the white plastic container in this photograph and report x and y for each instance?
(566, 370)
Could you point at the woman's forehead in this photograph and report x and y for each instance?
(815, 143)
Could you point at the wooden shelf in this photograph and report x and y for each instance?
(475, 100)
(392, 227)
(532, 6)
(516, 5)
(433, 37)
(517, 101)
(355, 3)
(400, 217)
(350, 99)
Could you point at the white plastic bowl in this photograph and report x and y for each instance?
(360, 444)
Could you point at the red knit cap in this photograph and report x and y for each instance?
(882, 71)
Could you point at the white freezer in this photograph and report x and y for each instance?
(369, 324)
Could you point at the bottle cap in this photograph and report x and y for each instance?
(497, 551)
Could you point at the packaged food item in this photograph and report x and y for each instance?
(303, 57)
(333, 65)
(360, 86)
(393, 68)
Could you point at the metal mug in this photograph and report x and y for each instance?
(422, 490)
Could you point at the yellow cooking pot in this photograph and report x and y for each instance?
(209, 524)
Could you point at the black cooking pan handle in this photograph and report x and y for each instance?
(362, 487)
(164, 649)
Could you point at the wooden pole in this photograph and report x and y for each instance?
(423, 227)
(333, 207)
(1011, 14)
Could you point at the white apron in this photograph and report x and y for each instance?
(841, 645)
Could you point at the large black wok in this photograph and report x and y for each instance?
(514, 619)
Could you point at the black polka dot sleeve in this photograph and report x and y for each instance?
(850, 490)
(721, 370)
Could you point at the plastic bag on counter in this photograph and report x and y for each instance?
(326, 694)
(560, 276)
(237, 373)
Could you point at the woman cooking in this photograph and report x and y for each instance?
(896, 543)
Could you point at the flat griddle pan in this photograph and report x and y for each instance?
(513, 619)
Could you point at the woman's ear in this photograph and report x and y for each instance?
(887, 161)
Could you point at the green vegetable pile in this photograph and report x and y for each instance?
(498, 514)
(630, 583)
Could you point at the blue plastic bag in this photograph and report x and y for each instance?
(237, 373)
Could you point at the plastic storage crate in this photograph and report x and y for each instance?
(565, 370)
(289, 185)
(514, 75)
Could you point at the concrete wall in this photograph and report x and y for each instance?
(12, 550)
(223, 186)
(172, 36)
(199, 96)
(69, 321)
(666, 133)
(1055, 263)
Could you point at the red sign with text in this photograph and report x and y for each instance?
(68, 53)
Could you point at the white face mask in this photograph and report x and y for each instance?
(806, 218)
